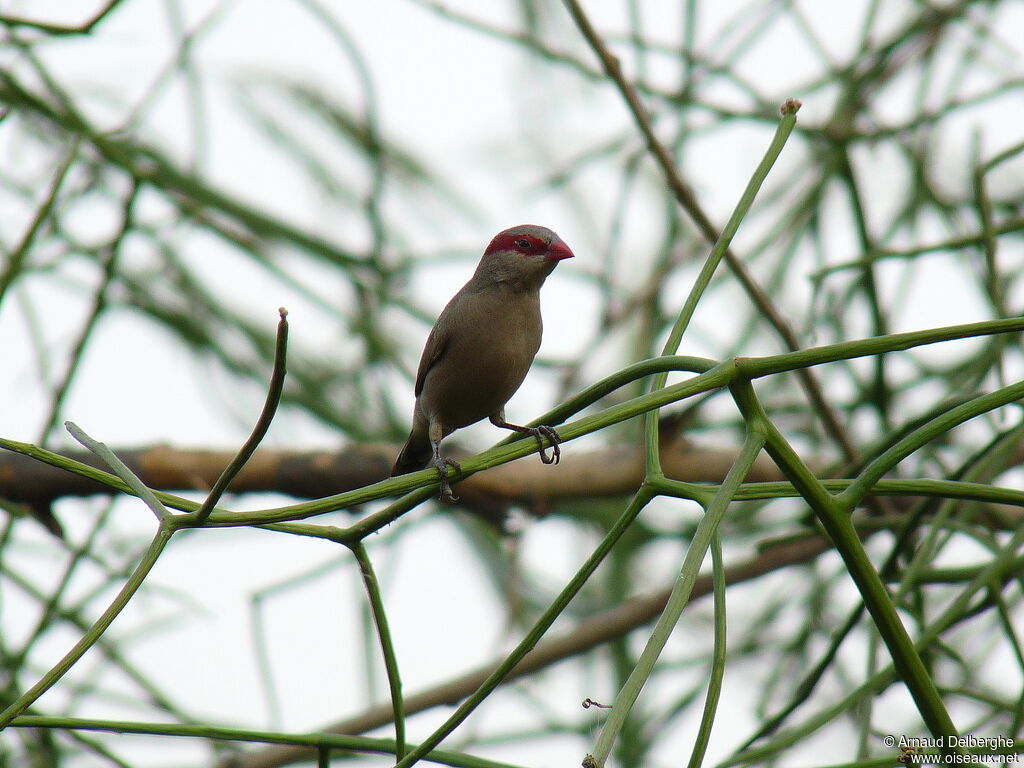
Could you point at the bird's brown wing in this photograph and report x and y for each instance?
(433, 351)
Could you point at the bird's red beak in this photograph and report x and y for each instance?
(557, 250)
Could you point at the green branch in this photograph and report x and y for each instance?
(100, 626)
(834, 517)
(540, 627)
(380, 621)
(333, 741)
(678, 598)
(259, 431)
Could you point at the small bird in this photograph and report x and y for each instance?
(481, 348)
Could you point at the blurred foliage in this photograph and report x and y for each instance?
(897, 205)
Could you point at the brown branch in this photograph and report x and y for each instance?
(525, 482)
(313, 474)
(615, 471)
(297, 473)
(587, 635)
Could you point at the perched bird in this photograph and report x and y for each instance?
(481, 347)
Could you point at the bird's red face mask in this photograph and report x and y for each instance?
(554, 249)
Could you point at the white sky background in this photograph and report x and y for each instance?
(457, 97)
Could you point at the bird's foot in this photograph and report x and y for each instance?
(549, 432)
(539, 433)
(442, 470)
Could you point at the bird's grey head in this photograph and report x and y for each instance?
(522, 257)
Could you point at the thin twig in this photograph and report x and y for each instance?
(121, 470)
(686, 198)
(61, 30)
(262, 424)
(591, 633)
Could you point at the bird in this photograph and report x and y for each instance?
(481, 348)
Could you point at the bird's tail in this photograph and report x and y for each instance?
(416, 452)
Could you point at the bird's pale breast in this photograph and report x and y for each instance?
(490, 344)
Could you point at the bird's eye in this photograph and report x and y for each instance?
(523, 243)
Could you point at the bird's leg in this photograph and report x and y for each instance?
(442, 465)
(539, 434)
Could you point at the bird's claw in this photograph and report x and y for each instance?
(442, 470)
(549, 432)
